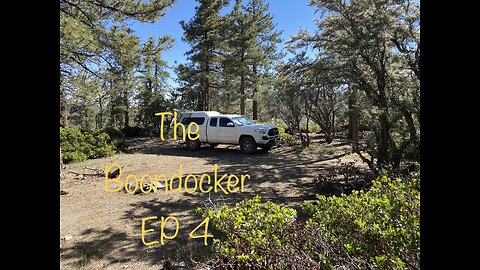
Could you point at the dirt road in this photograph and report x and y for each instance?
(101, 230)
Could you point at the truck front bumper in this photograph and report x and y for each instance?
(269, 141)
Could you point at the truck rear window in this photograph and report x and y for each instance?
(198, 120)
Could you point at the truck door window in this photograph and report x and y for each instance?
(213, 122)
(224, 122)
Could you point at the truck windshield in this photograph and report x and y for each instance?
(242, 121)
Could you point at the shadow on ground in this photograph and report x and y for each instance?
(101, 245)
(281, 164)
(112, 246)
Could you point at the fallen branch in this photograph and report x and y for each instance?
(85, 174)
(99, 171)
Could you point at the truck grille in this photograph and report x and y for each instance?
(273, 132)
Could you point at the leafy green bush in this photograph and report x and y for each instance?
(287, 138)
(380, 227)
(377, 229)
(312, 126)
(79, 145)
(72, 143)
(250, 229)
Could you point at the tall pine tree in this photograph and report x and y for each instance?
(253, 47)
(204, 34)
(153, 83)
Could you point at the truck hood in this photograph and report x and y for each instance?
(258, 126)
(267, 127)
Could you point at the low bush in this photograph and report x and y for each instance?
(374, 229)
(379, 228)
(251, 229)
(80, 145)
(287, 138)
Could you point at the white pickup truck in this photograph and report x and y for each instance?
(216, 128)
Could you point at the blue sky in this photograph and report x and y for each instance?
(289, 15)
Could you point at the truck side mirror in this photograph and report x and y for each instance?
(230, 124)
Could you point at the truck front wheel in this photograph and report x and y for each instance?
(248, 145)
(193, 144)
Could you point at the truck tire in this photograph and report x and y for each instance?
(248, 145)
(193, 145)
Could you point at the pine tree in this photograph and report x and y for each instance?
(253, 48)
(204, 34)
(123, 62)
(153, 83)
(90, 43)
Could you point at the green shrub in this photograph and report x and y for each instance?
(287, 138)
(101, 145)
(380, 227)
(377, 229)
(312, 126)
(250, 228)
(79, 145)
(72, 143)
(74, 156)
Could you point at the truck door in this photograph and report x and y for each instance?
(212, 130)
(227, 131)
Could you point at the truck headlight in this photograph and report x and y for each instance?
(260, 131)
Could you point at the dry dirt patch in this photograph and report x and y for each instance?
(103, 230)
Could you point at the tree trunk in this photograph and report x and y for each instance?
(353, 123)
(100, 114)
(61, 165)
(113, 103)
(113, 122)
(383, 145)
(255, 108)
(384, 149)
(307, 133)
(242, 95)
(206, 104)
(328, 136)
(242, 81)
(63, 109)
(254, 95)
(127, 119)
(308, 121)
(127, 114)
(206, 91)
